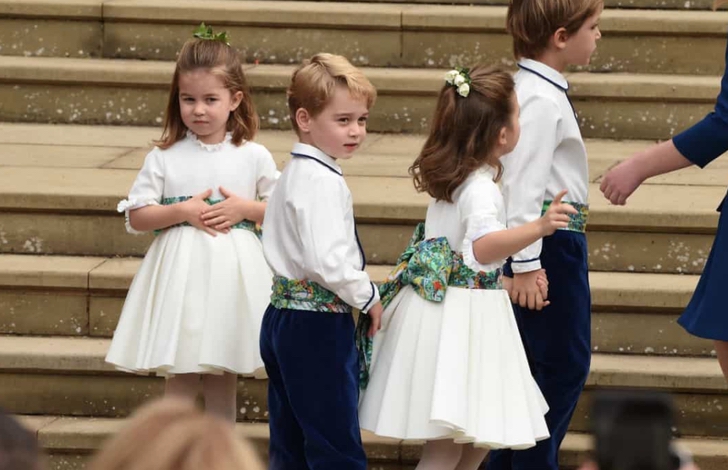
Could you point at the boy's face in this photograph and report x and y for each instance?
(581, 45)
(340, 128)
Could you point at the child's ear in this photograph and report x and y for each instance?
(236, 100)
(303, 119)
(559, 38)
(503, 137)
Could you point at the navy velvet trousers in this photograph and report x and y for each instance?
(558, 345)
(313, 390)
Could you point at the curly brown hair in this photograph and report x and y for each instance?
(464, 132)
(222, 60)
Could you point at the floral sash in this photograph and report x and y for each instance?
(429, 267)
(577, 222)
(299, 294)
(245, 224)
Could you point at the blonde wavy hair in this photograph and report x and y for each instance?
(172, 434)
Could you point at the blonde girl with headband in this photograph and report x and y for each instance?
(448, 365)
(194, 309)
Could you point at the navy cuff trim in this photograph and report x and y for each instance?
(526, 260)
(370, 298)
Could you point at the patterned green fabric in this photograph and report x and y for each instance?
(429, 267)
(577, 222)
(298, 294)
(245, 224)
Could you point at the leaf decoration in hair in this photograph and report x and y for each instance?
(459, 78)
(205, 32)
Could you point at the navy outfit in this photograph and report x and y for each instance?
(705, 315)
(307, 339)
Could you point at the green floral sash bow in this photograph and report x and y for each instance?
(299, 294)
(429, 267)
(245, 224)
(577, 222)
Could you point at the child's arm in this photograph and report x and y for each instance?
(155, 217)
(329, 244)
(621, 181)
(232, 210)
(524, 185)
(503, 243)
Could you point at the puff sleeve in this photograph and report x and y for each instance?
(147, 189)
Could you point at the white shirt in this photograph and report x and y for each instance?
(309, 229)
(550, 155)
(477, 210)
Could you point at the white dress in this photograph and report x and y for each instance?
(197, 302)
(455, 369)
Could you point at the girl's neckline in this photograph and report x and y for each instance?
(210, 147)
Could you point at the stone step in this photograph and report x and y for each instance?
(117, 91)
(83, 296)
(646, 4)
(69, 442)
(373, 34)
(68, 376)
(59, 186)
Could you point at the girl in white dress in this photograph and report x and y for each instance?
(194, 310)
(448, 365)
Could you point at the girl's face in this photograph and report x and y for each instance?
(205, 104)
(512, 132)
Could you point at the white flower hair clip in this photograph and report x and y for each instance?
(459, 78)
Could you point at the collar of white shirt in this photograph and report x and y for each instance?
(309, 151)
(545, 72)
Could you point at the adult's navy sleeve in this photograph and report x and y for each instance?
(708, 139)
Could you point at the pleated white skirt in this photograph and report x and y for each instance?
(453, 370)
(195, 306)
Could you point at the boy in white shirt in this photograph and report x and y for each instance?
(548, 36)
(310, 241)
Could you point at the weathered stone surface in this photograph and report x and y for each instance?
(43, 313)
(648, 252)
(69, 9)
(645, 333)
(49, 233)
(134, 92)
(697, 414)
(50, 38)
(52, 156)
(257, 44)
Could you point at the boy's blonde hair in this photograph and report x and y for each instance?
(531, 23)
(314, 82)
(172, 434)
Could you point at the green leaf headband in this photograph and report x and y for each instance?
(460, 79)
(205, 32)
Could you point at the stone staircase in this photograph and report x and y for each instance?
(83, 85)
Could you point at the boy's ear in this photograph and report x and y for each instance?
(559, 38)
(303, 119)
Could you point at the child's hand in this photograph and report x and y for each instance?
(225, 214)
(193, 209)
(526, 291)
(557, 215)
(543, 285)
(620, 182)
(507, 284)
(376, 314)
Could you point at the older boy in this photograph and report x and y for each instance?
(310, 242)
(548, 36)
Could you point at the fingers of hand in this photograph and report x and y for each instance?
(560, 196)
